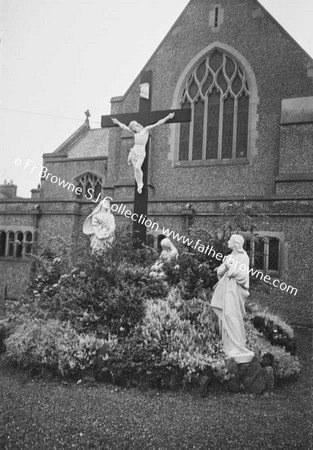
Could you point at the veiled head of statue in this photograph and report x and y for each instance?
(237, 241)
(105, 204)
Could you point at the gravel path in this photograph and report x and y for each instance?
(39, 414)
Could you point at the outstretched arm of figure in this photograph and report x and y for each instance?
(160, 122)
(121, 125)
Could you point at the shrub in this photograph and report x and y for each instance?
(278, 332)
(187, 333)
(103, 294)
(52, 345)
(175, 343)
(286, 366)
(193, 277)
(162, 334)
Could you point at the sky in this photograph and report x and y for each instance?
(61, 57)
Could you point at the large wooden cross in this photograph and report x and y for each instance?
(145, 117)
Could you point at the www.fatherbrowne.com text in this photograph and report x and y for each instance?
(205, 249)
(142, 219)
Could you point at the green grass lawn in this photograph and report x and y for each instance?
(42, 414)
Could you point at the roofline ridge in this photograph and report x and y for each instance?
(67, 144)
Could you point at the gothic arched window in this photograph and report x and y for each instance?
(218, 94)
(28, 242)
(11, 245)
(90, 186)
(19, 244)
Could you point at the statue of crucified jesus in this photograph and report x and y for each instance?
(137, 153)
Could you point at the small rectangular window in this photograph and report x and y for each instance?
(259, 254)
(273, 254)
(216, 17)
(264, 253)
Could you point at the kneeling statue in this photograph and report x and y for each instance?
(169, 252)
(100, 225)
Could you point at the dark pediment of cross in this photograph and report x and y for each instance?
(145, 117)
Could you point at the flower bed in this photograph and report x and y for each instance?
(106, 315)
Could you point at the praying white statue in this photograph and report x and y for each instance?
(229, 298)
(169, 252)
(137, 153)
(100, 224)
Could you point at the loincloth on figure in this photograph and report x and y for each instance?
(137, 154)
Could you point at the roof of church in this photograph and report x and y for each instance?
(95, 142)
(84, 142)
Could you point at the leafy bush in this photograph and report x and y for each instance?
(103, 294)
(278, 332)
(52, 345)
(164, 332)
(286, 366)
(176, 342)
(194, 278)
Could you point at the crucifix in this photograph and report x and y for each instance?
(144, 117)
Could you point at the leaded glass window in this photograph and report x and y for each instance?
(273, 254)
(90, 186)
(264, 253)
(218, 94)
(259, 254)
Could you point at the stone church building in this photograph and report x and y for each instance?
(249, 146)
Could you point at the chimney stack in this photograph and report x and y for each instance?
(8, 189)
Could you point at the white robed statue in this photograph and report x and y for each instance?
(229, 298)
(100, 224)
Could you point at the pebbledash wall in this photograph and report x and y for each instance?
(276, 178)
(14, 273)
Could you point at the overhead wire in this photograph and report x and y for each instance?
(45, 115)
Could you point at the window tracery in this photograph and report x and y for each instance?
(90, 185)
(218, 94)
